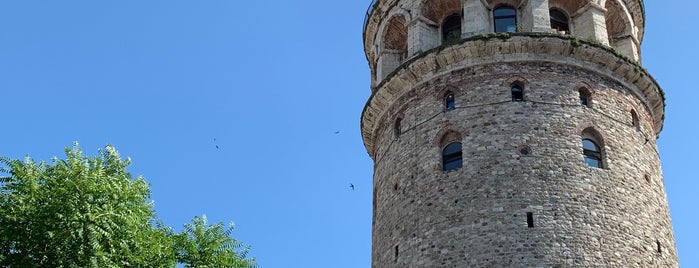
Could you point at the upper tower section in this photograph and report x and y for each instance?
(409, 42)
(396, 30)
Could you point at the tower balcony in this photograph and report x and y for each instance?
(398, 30)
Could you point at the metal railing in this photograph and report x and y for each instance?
(366, 16)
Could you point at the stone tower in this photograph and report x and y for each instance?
(514, 133)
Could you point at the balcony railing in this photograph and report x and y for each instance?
(366, 16)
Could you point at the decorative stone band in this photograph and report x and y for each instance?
(503, 48)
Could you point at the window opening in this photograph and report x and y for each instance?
(660, 249)
(505, 18)
(397, 127)
(396, 254)
(449, 102)
(592, 152)
(517, 93)
(559, 20)
(451, 28)
(584, 98)
(634, 120)
(530, 219)
(452, 156)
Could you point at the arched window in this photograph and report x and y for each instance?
(634, 120)
(517, 93)
(505, 19)
(584, 97)
(559, 20)
(449, 102)
(452, 157)
(592, 153)
(397, 127)
(451, 28)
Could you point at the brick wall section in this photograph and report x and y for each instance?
(476, 216)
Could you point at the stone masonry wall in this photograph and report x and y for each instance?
(476, 216)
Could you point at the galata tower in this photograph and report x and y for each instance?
(514, 133)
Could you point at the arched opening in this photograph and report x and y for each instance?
(634, 120)
(394, 46)
(592, 148)
(592, 152)
(451, 28)
(450, 143)
(584, 95)
(449, 101)
(452, 156)
(395, 35)
(505, 19)
(517, 91)
(618, 27)
(397, 128)
(437, 11)
(559, 21)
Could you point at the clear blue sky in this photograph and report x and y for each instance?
(271, 82)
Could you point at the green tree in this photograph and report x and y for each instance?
(207, 246)
(90, 212)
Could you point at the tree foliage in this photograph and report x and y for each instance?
(90, 212)
(201, 245)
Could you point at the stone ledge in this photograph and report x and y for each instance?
(523, 47)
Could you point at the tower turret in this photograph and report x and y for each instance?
(514, 133)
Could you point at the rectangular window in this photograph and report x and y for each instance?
(530, 220)
(396, 254)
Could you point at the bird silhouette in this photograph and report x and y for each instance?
(352, 186)
(337, 132)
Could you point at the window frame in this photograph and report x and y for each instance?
(592, 153)
(498, 20)
(452, 159)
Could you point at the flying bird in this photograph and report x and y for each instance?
(352, 186)
(337, 132)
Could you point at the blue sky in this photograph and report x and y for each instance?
(269, 83)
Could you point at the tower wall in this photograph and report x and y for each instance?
(524, 196)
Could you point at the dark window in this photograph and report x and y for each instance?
(505, 18)
(397, 127)
(395, 254)
(451, 28)
(451, 156)
(530, 220)
(634, 120)
(517, 93)
(449, 102)
(660, 249)
(584, 97)
(592, 152)
(559, 20)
